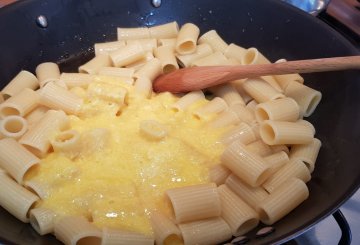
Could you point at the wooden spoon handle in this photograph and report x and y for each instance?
(299, 66)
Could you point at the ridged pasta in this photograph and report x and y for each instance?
(195, 202)
(234, 51)
(215, 106)
(260, 90)
(165, 231)
(218, 174)
(228, 93)
(205, 232)
(251, 195)
(214, 40)
(278, 133)
(188, 99)
(168, 30)
(276, 161)
(215, 59)
(13, 127)
(37, 138)
(58, 98)
(187, 39)
(16, 159)
(167, 57)
(148, 44)
(151, 70)
(306, 153)
(127, 54)
(201, 51)
(20, 104)
(143, 86)
(248, 166)
(243, 133)
(240, 217)
(119, 237)
(224, 119)
(259, 147)
(16, 199)
(243, 114)
(22, 80)
(47, 72)
(75, 230)
(292, 169)
(107, 47)
(42, 220)
(284, 109)
(282, 201)
(76, 79)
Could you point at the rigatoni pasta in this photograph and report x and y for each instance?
(214, 40)
(16, 199)
(201, 51)
(194, 202)
(120, 237)
(187, 38)
(16, 159)
(47, 72)
(42, 220)
(20, 104)
(22, 80)
(94, 65)
(165, 231)
(13, 127)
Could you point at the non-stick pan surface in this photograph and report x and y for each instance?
(278, 30)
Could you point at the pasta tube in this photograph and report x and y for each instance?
(107, 47)
(22, 80)
(20, 104)
(214, 40)
(167, 57)
(306, 153)
(74, 230)
(285, 109)
(306, 97)
(47, 72)
(282, 201)
(15, 159)
(201, 51)
(293, 169)
(260, 90)
(42, 220)
(119, 237)
(205, 232)
(187, 38)
(277, 133)
(251, 195)
(58, 98)
(132, 33)
(13, 127)
(168, 30)
(165, 231)
(218, 174)
(243, 133)
(248, 166)
(240, 217)
(127, 54)
(195, 202)
(16, 199)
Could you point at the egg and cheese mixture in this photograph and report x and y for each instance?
(120, 173)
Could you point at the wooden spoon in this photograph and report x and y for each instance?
(195, 78)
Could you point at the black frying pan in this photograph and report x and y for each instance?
(278, 30)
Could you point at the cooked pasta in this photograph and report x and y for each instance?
(306, 97)
(37, 138)
(47, 72)
(285, 109)
(282, 201)
(194, 202)
(234, 51)
(238, 215)
(276, 161)
(132, 33)
(243, 133)
(292, 169)
(165, 231)
(187, 100)
(120, 237)
(201, 51)
(75, 230)
(58, 98)
(167, 57)
(225, 119)
(107, 47)
(258, 147)
(248, 166)
(228, 93)
(251, 195)
(117, 72)
(243, 113)
(22, 80)
(168, 30)
(214, 59)
(205, 232)
(214, 40)
(42, 220)
(13, 127)
(20, 104)
(147, 44)
(151, 70)
(15, 159)
(218, 174)
(187, 38)
(143, 86)
(260, 90)
(306, 153)
(277, 133)
(215, 106)
(127, 54)
(76, 79)
(16, 199)
(94, 65)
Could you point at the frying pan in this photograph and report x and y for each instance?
(276, 29)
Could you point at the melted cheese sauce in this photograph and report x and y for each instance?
(120, 177)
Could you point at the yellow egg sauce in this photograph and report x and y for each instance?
(121, 174)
